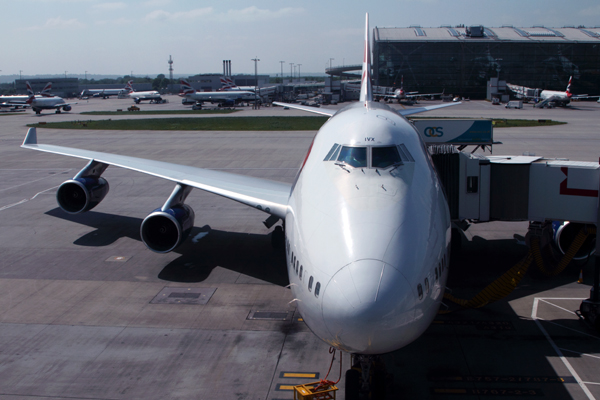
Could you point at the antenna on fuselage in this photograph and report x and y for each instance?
(366, 92)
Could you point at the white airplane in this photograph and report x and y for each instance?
(46, 101)
(401, 95)
(548, 96)
(229, 84)
(104, 93)
(16, 101)
(152, 95)
(222, 98)
(367, 226)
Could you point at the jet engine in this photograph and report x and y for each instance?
(81, 194)
(164, 230)
(564, 235)
(67, 108)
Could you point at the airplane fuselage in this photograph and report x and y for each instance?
(40, 103)
(235, 96)
(148, 95)
(555, 96)
(367, 236)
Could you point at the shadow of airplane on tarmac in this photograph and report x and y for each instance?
(204, 249)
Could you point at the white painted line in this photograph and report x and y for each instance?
(571, 329)
(557, 350)
(36, 180)
(199, 236)
(564, 309)
(592, 383)
(583, 354)
(26, 200)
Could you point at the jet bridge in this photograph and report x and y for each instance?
(483, 188)
(519, 188)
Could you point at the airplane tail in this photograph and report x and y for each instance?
(227, 84)
(186, 87)
(47, 89)
(129, 87)
(366, 91)
(30, 91)
(568, 91)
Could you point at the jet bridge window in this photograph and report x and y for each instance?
(354, 156)
(383, 157)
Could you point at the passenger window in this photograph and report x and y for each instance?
(297, 262)
(317, 289)
(354, 156)
(310, 282)
(420, 291)
(383, 157)
(426, 285)
(301, 272)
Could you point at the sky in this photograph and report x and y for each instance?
(137, 36)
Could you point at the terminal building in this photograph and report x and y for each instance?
(462, 60)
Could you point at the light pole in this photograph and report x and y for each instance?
(299, 65)
(291, 75)
(330, 76)
(282, 62)
(256, 60)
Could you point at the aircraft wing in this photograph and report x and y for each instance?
(322, 111)
(268, 196)
(417, 94)
(417, 110)
(14, 104)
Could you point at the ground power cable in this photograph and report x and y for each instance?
(505, 284)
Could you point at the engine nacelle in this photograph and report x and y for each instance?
(67, 108)
(163, 231)
(564, 235)
(81, 194)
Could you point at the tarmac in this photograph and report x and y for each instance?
(88, 312)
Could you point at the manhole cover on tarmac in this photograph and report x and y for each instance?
(171, 295)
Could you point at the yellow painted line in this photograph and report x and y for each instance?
(298, 375)
(285, 387)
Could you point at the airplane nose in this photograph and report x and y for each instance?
(366, 307)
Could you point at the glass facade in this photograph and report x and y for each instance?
(463, 67)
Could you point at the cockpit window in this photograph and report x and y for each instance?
(354, 156)
(383, 157)
(332, 155)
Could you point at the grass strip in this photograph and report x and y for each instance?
(196, 124)
(159, 112)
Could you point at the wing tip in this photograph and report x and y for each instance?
(31, 137)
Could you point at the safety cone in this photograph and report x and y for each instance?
(580, 280)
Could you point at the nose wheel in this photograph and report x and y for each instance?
(367, 379)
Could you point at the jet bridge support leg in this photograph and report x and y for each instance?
(590, 308)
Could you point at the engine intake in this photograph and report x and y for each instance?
(163, 231)
(81, 194)
(67, 108)
(565, 234)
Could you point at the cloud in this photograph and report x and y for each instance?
(156, 3)
(58, 23)
(249, 14)
(109, 6)
(118, 21)
(255, 14)
(161, 15)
